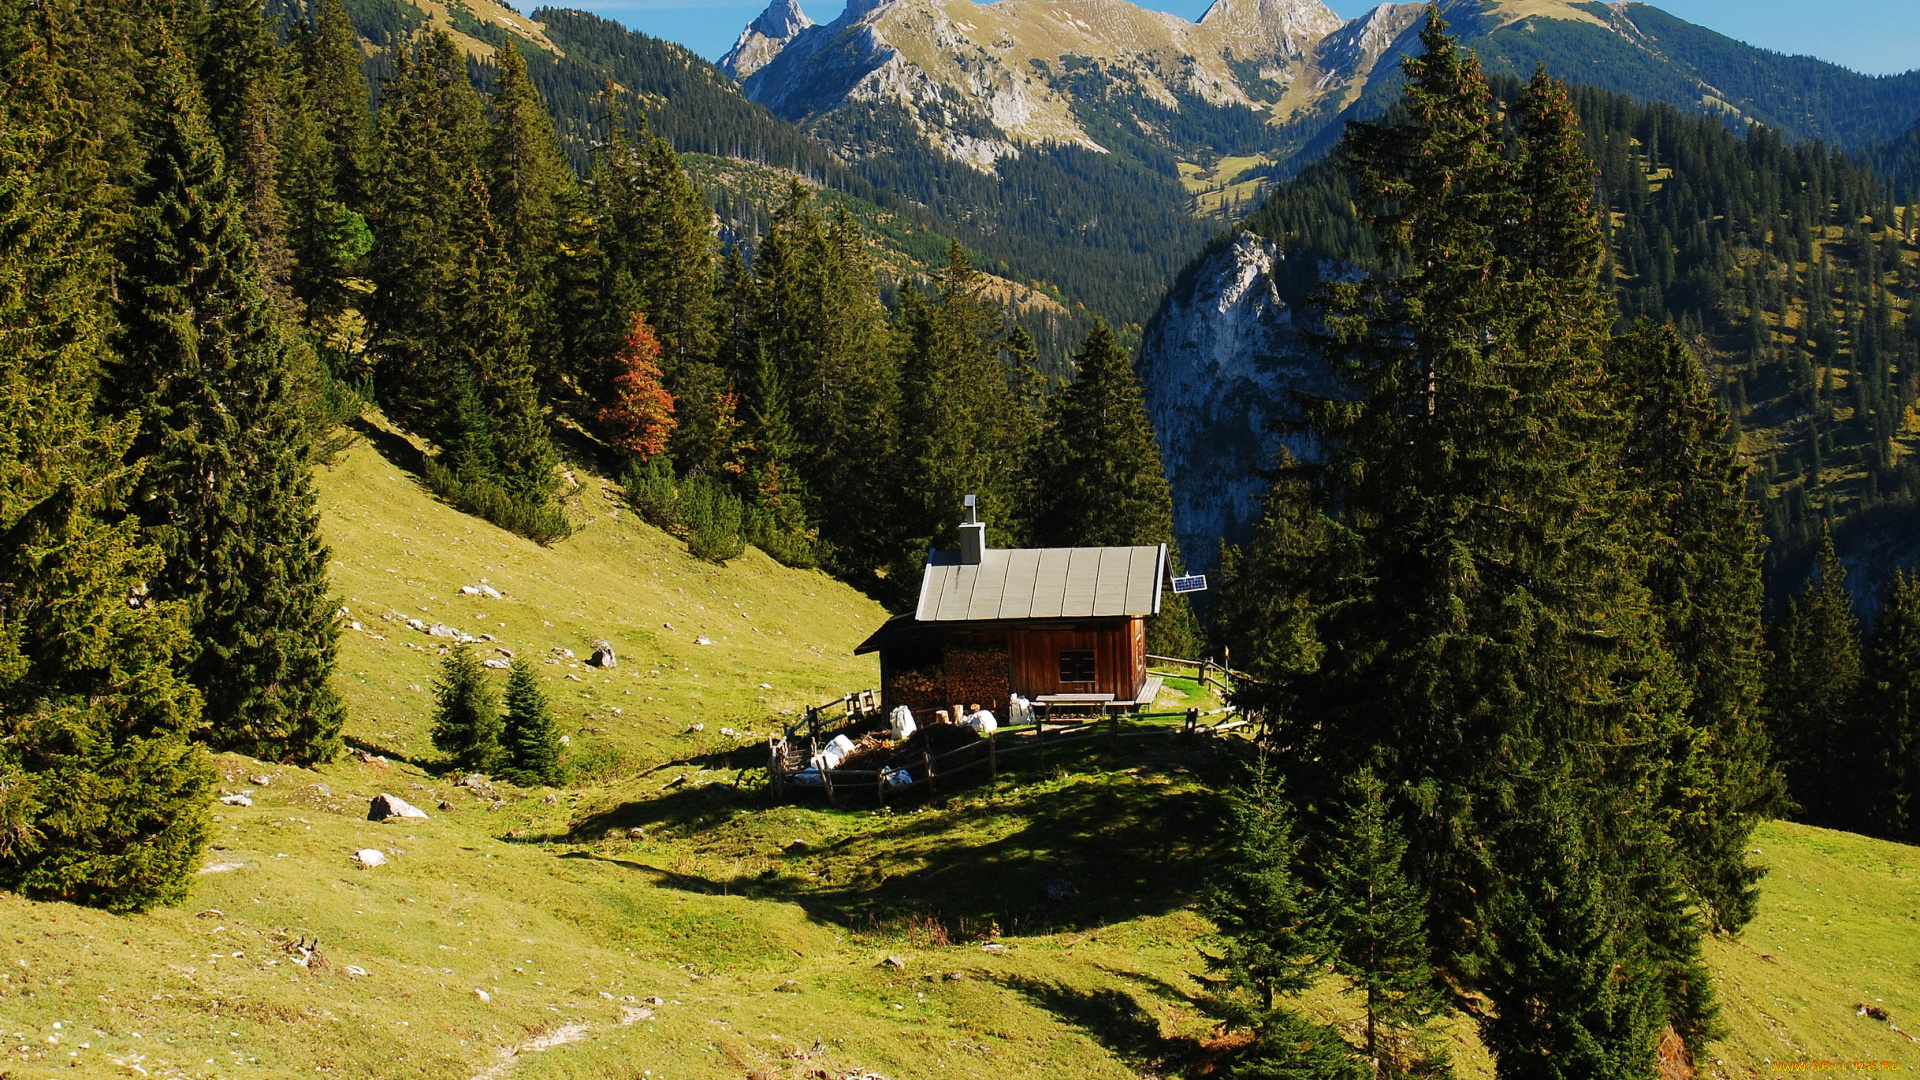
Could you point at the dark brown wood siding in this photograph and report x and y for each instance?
(1119, 656)
(980, 664)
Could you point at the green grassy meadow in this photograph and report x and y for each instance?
(661, 920)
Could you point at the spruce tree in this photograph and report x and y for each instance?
(779, 502)
(652, 251)
(493, 345)
(242, 83)
(1267, 943)
(421, 214)
(1096, 474)
(1813, 685)
(959, 418)
(1700, 537)
(812, 312)
(530, 742)
(1374, 918)
(466, 714)
(528, 178)
(221, 390)
(1464, 587)
(1886, 739)
(323, 158)
(335, 93)
(103, 794)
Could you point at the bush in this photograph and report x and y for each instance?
(716, 524)
(782, 544)
(699, 509)
(541, 522)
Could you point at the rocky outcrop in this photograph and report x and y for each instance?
(1218, 367)
(986, 82)
(764, 38)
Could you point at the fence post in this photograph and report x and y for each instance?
(927, 756)
(1193, 721)
(1113, 730)
(993, 762)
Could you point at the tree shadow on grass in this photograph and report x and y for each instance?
(393, 446)
(1112, 1018)
(1078, 853)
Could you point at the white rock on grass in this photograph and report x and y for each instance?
(236, 800)
(703, 640)
(385, 806)
(370, 857)
(495, 663)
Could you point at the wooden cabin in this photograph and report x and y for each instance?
(1063, 624)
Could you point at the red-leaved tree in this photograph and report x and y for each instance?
(640, 417)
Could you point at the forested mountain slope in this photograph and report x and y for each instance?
(1003, 115)
(1790, 267)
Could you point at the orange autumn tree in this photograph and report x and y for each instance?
(640, 418)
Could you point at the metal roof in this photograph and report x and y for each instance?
(1043, 583)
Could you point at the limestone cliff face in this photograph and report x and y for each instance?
(764, 37)
(1218, 366)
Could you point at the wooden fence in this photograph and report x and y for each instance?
(790, 756)
(1218, 674)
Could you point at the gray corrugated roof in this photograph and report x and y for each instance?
(1043, 583)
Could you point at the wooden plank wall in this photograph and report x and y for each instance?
(1119, 654)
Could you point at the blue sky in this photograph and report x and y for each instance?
(1875, 36)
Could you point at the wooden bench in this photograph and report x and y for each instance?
(1096, 703)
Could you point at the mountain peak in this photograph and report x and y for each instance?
(764, 37)
(1271, 27)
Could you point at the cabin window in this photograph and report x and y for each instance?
(1076, 666)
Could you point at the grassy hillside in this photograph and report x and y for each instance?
(1046, 923)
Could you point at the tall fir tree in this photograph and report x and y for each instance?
(812, 312)
(1097, 478)
(529, 740)
(420, 211)
(528, 179)
(242, 81)
(337, 96)
(1813, 684)
(493, 345)
(103, 793)
(1886, 735)
(221, 389)
(959, 418)
(1461, 587)
(652, 251)
(1374, 919)
(323, 160)
(1268, 944)
(1702, 555)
